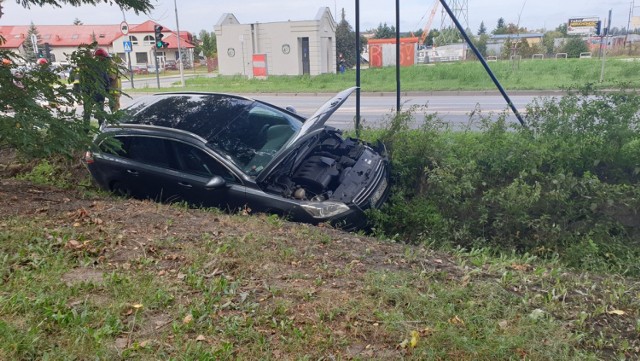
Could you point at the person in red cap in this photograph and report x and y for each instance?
(114, 85)
(94, 85)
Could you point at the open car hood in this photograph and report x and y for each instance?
(314, 122)
(317, 120)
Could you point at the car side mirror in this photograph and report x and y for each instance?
(216, 182)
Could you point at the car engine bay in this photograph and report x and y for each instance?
(331, 167)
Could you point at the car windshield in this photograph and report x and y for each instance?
(252, 139)
(246, 132)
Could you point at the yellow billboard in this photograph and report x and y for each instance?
(583, 26)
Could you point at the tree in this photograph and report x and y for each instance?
(562, 29)
(77, 21)
(548, 41)
(30, 55)
(483, 29)
(346, 41)
(208, 44)
(574, 46)
(433, 34)
(138, 6)
(500, 27)
(384, 31)
(37, 130)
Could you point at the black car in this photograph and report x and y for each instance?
(211, 149)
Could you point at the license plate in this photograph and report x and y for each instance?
(379, 192)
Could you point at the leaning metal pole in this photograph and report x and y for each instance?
(484, 63)
(358, 68)
(397, 56)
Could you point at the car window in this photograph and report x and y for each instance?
(148, 150)
(195, 161)
(234, 127)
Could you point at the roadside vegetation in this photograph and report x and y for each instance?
(565, 186)
(548, 74)
(499, 243)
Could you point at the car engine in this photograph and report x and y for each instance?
(332, 168)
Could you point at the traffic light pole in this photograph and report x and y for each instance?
(155, 57)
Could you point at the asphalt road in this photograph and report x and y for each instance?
(453, 108)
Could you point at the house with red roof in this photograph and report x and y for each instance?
(64, 39)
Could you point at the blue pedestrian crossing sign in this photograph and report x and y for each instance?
(127, 46)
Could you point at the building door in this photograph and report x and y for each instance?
(306, 65)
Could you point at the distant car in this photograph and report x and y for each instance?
(171, 65)
(151, 68)
(233, 152)
(140, 70)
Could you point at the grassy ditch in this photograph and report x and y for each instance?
(89, 276)
(547, 74)
(566, 186)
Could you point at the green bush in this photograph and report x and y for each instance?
(568, 179)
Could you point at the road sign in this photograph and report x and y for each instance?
(124, 28)
(127, 46)
(34, 42)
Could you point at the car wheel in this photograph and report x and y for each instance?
(120, 189)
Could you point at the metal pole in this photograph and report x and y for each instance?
(130, 68)
(397, 56)
(358, 68)
(124, 17)
(604, 51)
(179, 51)
(484, 63)
(155, 57)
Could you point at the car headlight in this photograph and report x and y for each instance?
(324, 209)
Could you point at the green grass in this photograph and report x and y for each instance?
(150, 281)
(549, 74)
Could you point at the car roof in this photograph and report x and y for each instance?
(202, 113)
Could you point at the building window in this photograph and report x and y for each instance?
(142, 58)
(133, 39)
(75, 36)
(148, 40)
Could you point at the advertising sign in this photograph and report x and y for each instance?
(583, 26)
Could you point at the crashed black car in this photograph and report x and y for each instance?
(228, 151)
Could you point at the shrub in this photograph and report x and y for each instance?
(569, 177)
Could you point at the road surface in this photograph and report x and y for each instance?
(453, 108)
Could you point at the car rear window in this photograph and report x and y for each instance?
(204, 115)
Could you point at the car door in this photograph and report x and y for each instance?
(197, 167)
(151, 172)
(124, 166)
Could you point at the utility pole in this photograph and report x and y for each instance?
(604, 51)
(179, 51)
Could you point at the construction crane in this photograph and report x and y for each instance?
(427, 26)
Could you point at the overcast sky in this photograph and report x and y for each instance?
(195, 15)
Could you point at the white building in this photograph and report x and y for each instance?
(278, 48)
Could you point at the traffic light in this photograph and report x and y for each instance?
(158, 36)
(47, 51)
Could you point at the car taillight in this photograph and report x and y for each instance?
(88, 157)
